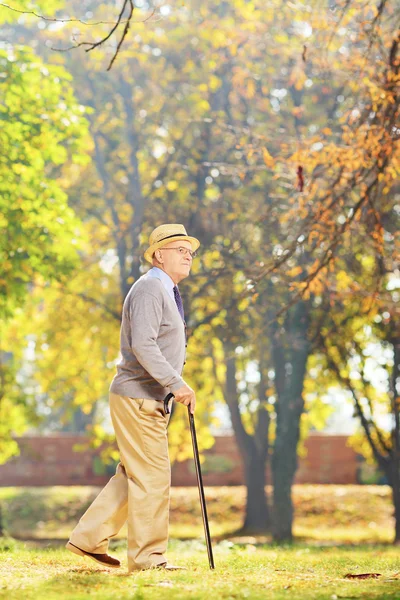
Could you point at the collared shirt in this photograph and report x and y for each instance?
(164, 278)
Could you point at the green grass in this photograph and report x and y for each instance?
(242, 571)
(338, 529)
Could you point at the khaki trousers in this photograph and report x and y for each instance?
(139, 490)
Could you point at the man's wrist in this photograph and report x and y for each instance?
(176, 386)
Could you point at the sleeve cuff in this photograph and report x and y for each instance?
(177, 386)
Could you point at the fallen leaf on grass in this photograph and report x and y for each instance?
(362, 575)
(160, 584)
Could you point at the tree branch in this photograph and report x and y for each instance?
(120, 21)
(380, 458)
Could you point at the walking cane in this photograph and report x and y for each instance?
(199, 479)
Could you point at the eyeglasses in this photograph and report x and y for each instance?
(182, 251)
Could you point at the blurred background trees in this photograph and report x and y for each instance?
(272, 133)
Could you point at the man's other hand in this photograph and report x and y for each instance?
(185, 395)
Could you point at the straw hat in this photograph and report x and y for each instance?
(164, 234)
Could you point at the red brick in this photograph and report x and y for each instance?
(50, 460)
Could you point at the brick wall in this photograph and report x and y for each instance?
(51, 460)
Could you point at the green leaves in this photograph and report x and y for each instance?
(13, 11)
(41, 126)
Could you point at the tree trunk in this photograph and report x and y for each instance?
(254, 455)
(395, 484)
(257, 519)
(2, 526)
(135, 198)
(395, 458)
(290, 351)
(284, 465)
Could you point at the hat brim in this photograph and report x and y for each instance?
(151, 249)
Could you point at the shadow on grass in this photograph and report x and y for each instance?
(108, 584)
(95, 572)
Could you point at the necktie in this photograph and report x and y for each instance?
(179, 303)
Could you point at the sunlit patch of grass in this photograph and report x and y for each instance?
(242, 571)
(354, 534)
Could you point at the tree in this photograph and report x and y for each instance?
(186, 129)
(42, 127)
(350, 360)
(360, 344)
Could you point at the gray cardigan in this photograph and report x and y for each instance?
(152, 343)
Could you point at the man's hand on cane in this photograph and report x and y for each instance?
(185, 395)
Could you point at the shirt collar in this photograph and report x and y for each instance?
(164, 277)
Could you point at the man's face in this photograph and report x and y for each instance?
(175, 262)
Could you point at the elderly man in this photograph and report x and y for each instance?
(153, 341)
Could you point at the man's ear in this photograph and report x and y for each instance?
(158, 256)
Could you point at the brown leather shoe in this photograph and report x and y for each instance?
(102, 559)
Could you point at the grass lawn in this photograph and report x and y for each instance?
(339, 530)
(242, 571)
